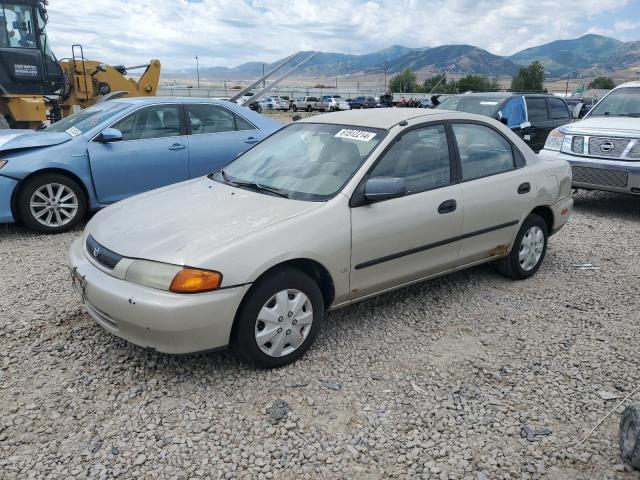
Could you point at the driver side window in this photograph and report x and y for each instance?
(421, 157)
(152, 122)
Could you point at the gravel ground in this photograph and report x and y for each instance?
(433, 381)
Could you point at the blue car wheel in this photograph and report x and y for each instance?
(51, 203)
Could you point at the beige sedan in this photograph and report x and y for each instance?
(327, 211)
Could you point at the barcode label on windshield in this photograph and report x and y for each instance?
(73, 131)
(361, 135)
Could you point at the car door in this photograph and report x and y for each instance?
(216, 136)
(558, 112)
(538, 116)
(497, 190)
(151, 154)
(407, 238)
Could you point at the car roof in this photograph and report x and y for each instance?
(502, 94)
(162, 99)
(375, 118)
(634, 84)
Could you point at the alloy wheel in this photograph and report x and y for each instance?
(53, 205)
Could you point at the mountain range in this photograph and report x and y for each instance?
(589, 55)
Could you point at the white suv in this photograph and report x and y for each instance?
(603, 148)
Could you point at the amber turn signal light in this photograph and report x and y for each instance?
(192, 280)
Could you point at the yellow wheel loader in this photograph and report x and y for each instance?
(35, 87)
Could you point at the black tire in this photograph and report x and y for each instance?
(629, 436)
(295, 109)
(309, 108)
(28, 189)
(510, 265)
(243, 340)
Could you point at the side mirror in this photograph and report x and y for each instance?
(384, 188)
(109, 135)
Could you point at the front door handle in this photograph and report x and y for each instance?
(177, 146)
(524, 188)
(251, 140)
(448, 206)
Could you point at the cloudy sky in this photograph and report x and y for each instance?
(230, 32)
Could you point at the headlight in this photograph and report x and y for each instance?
(173, 278)
(2, 163)
(554, 140)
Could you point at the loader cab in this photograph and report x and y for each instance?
(27, 64)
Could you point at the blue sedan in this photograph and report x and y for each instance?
(115, 149)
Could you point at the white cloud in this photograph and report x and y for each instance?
(230, 32)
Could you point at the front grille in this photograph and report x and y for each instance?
(102, 255)
(600, 176)
(634, 151)
(577, 145)
(607, 146)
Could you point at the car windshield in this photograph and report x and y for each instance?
(85, 120)
(623, 101)
(304, 161)
(487, 106)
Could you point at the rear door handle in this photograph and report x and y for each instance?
(524, 188)
(447, 206)
(251, 140)
(177, 146)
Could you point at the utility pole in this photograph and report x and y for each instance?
(386, 66)
(198, 71)
(263, 84)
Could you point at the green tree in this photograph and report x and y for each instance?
(529, 78)
(403, 82)
(476, 83)
(442, 85)
(602, 82)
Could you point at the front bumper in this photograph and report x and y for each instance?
(7, 186)
(601, 174)
(164, 321)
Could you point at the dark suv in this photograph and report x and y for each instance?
(363, 102)
(531, 115)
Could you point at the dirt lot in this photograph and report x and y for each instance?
(433, 381)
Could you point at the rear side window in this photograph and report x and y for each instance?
(242, 124)
(421, 157)
(210, 119)
(537, 109)
(557, 109)
(483, 151)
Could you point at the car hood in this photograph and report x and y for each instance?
(607, 125)
(17, 139)
(186, 222)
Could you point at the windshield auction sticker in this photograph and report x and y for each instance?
(361, 135)
(73, 131)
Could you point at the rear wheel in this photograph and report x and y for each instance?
(309, 108)
(295, 109)
(51, 203)
(279, 320)
(528, 250)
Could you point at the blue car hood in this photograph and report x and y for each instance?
(16, 139)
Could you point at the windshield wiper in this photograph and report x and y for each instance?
(252, 185)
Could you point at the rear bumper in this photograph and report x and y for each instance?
(602, 174)
(7, 186)
(164, 321)
(562, 211)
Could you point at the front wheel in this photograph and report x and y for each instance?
(279, 320)
(528, 250)
(51, 203)
(295, 109)
(629, 436)
(309, 108)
